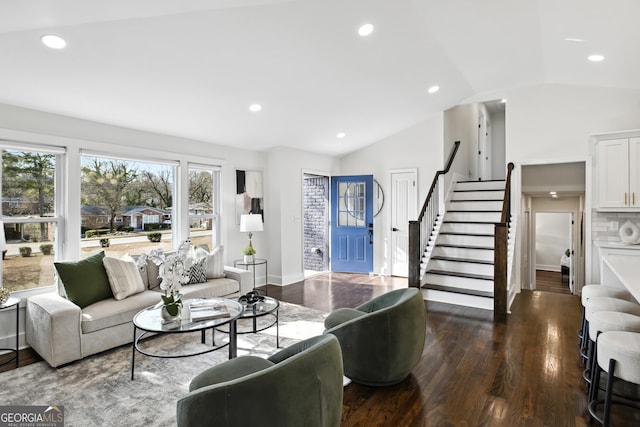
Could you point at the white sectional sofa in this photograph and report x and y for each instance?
(62, 332)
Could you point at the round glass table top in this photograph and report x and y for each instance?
(260, 308)
(150, 319)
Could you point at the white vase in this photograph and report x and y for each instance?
(168, 317)
(249, 259)
(629, 233)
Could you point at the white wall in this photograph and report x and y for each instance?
(553, 238)
(498, 144)
(284, 216)
(461, 124)
(418, 147)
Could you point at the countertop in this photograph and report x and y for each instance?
(616, 245)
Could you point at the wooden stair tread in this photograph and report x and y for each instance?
(458, 274)
(467, 260)
(451, 245)
(455, 290)
(458, 233)
(475, 211)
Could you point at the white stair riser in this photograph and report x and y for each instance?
(455, 239)
(478, 195)
(480, 185)
(468, 228)
(461, 267)
(457, 299)
(470, 205)
(459, 282)
(479, 254)
(473, 216)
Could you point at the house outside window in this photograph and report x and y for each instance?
(30, 214)
(203, 205)
(122, 202)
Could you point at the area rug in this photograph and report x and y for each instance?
(98, 391)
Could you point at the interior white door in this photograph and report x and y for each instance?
(403, 209)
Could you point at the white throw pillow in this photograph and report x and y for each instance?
(124, 276)
(214, 261)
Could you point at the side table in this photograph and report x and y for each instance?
(256, 262)
(13, 302)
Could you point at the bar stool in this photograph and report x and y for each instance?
(605, 321)
(589, 291)
(619, 356)
(595, 304)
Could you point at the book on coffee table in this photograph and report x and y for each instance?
(204, 310)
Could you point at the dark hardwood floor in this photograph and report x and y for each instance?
(524, 371)
(552, 281)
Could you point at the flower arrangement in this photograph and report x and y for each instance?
(174, 272)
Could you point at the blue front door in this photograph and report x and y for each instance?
(352, 224)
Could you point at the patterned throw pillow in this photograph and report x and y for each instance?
(198, 272)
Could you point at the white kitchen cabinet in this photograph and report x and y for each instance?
(618, 164)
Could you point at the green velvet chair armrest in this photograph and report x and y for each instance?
(228, 371)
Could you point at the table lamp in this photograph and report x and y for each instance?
(250, 223)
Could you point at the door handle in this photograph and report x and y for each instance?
(394, 229)
(371, 237)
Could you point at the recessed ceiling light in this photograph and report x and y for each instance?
(503, 101)
(341, 135)
(554, 196)
(53, 41)
(433, 89)
(574, 40)
(255, 107)
(365, 30)
(552, 193)
(595, 58)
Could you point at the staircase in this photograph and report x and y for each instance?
(457, 266)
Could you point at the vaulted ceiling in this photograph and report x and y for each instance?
(192, 68)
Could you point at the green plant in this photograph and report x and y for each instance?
(104, 242)
(249, 250)
(25, 251)
(154, 237)
(172, 303)
(46, 248)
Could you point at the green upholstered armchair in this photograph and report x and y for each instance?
(382, 339)
(299, 386)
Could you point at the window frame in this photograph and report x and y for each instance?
(215, 200)
(59, 213)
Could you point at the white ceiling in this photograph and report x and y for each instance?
(192, 68)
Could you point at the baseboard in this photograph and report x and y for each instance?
(555, 268)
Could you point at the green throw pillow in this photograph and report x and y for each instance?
(85, 281)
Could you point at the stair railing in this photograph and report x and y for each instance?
(420, 229)
(500, 253)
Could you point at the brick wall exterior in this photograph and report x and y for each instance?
(316, 238)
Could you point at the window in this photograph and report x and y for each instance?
(122, 202)
(30, 215)
(351, 204)
(203, 203)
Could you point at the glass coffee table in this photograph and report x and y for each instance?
(150, 321)
(257, 316)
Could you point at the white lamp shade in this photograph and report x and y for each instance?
(250, 223)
